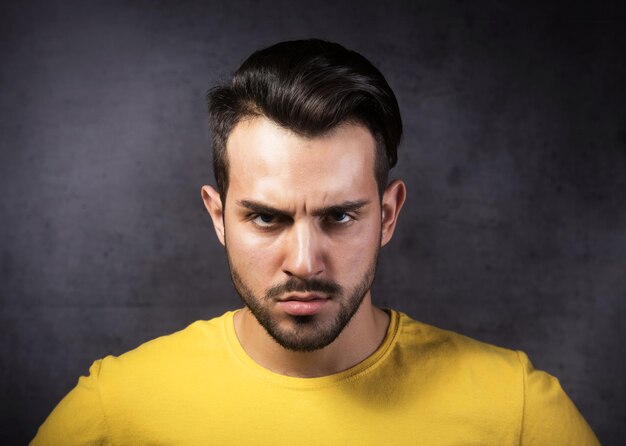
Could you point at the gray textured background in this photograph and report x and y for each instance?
(514, 155)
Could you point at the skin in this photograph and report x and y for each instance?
(301, 209)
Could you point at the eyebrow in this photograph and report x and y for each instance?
(346, 206)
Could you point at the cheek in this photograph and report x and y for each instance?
(355, 251)
(253, 257)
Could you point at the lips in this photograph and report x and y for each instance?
(300, 297)
(302, 304)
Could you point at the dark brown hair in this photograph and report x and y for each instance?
(309, 87)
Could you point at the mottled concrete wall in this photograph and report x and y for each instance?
(514, 156)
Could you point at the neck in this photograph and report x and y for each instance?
(358, 340)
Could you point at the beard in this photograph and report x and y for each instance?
(305, 333)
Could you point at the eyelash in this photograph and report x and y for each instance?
(345, 214)
(268, 225)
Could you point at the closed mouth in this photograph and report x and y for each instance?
(303, 297)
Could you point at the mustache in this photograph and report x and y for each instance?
(303, 286)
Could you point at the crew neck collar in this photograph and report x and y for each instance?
(367, 365)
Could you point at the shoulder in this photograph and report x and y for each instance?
(143, 384)
(169, 354)
(461, 371)
(445, 345)
(139, 386)
(501, 384)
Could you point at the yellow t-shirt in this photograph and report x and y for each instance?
(423, 386)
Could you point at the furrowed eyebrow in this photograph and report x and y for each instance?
(260, 208)
(346, 206)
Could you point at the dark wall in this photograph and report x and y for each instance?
(514, 156)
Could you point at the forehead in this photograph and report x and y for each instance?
(274, 163)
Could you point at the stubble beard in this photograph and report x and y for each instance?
(306, 333)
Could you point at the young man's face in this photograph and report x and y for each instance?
(302, 228)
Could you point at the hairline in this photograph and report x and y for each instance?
(255, 113)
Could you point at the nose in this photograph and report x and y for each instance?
(303, 256)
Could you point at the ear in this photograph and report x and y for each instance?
(213, 204)
(393, 199)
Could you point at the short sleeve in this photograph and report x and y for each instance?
(549, 416)
(79, 418)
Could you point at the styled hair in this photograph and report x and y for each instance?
(309, 87)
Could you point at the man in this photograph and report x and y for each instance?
(303, 140)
